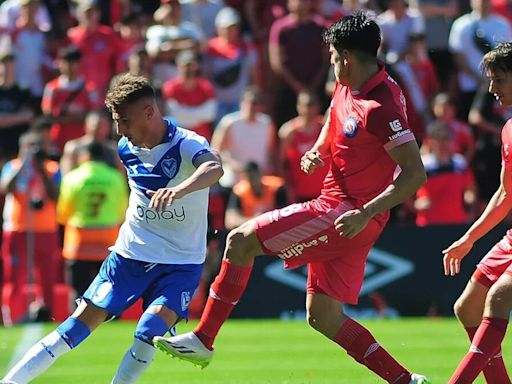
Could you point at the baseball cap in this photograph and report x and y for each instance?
(227, 17)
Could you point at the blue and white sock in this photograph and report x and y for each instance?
(38, 358)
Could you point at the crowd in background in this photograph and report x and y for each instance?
(254, 78)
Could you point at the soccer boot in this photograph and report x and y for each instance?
(419, 379)
(185, 347)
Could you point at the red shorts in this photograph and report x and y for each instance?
(304, 234)
(495, 263)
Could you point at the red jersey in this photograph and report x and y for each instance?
(100, 50)
(303, 186)
(367, 123)
(62, 96)
(190, 97)
(427, 77)
(445, 188)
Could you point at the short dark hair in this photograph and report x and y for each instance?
(95, 150)
(127, 89)
(69, 53)
(498, 59)
(358, 32)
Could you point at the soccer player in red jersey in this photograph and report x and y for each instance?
(365, 138)
(484, 306)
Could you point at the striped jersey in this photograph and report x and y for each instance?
(176, 235)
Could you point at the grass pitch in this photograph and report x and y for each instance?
(261, 351)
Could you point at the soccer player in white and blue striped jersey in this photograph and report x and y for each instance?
(161, 247)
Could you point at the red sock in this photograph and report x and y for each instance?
(225, 292)
(485, 344)
(495, 370)
(360, 344)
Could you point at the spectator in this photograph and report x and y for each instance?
(290, 37)
(202, 14)
(449, 193)
(243, 136)
(229, 62)
(487, 116)
(397, 23)
(131, 39)
(463, 140)
(67, 98)
(438, 16)
(260, 15)
(30, 183)
(98, 44)
(92, 202)
(98, 129)
(254, 195)
(472, 35)
(29, 47)
(418, 76)
(190, 99)
(167, 37)
(15, 111)
(296, 137)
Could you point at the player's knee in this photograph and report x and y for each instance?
(73, 331)
(149, 326)
(316, 320)
(237, 245)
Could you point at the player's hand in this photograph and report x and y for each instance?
(310, 161)
(454, 254)
(163, 197)
(352, 222)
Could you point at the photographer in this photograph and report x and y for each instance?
(30, 238)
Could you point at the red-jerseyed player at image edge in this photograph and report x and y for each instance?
(484, 306)
(365, 137)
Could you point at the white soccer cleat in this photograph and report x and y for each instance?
(7, 382)
(419, 379)
(186, 347)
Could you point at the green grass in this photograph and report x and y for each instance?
(268, 351)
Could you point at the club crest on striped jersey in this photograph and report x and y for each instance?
(169, 167)
(350, 127)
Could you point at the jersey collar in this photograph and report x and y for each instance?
(171, 131)
(372, 82)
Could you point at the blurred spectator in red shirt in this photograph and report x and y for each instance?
(68, 98)
(229, 62)
(260, 15)
(99, 45)
(463, 140)
(15, 111)
(449, 193)
(297, 56)
(190, 99)
(132, 39)
(169, 36)
(296, 137)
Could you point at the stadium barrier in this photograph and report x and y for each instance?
(404, 277)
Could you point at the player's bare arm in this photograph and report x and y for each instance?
(497, 209)
(313, 158)
(413, 175)
(209, 171)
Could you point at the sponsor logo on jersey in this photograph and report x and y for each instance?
(395, 125)
(350, 127)
(170, 167)
(399, 134)
(297, 249)
(170, 213)
(185, 300)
